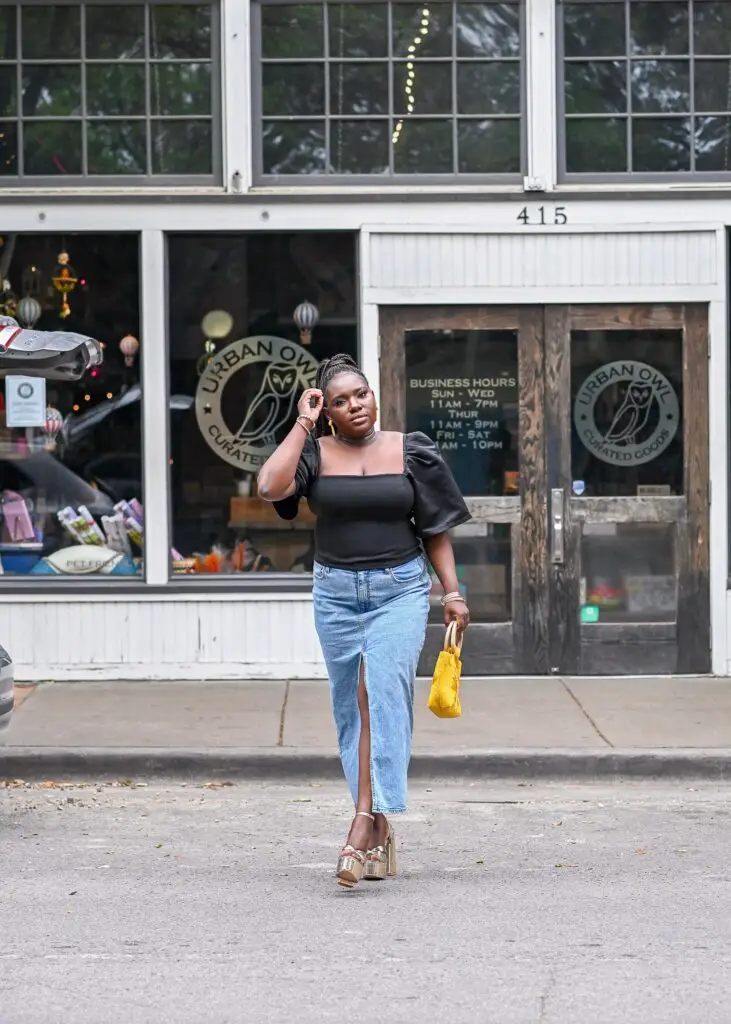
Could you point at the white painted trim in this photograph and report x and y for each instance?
(370, 344)
(595, 228)
(540, 90)
(195, 596)
(203, 673)
(487, 216)
(567, 295)
(153, 354)
(236, 93)
(718, 400)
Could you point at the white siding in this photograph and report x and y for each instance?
(462, 260)
(151, 639)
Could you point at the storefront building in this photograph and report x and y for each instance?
(515, 213)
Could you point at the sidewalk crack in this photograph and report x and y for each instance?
(282, 713)
(586, 714)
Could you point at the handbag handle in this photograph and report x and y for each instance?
(453, 638)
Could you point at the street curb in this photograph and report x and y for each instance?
(289, 764)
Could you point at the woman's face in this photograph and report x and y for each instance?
(351, 405)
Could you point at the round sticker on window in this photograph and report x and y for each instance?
(626, 413)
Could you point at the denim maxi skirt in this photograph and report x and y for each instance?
(377, 616)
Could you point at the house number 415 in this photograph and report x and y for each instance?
(540, 215)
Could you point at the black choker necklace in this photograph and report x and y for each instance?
(358, 442)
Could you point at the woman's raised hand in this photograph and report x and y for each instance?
(311, 403)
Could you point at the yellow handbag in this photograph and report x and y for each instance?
(444, 694)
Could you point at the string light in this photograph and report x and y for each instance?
(411, 70)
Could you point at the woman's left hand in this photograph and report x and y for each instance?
(459, 612)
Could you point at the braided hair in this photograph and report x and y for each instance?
(327, 371)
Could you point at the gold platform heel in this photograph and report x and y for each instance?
(352, 862)
(381, 860)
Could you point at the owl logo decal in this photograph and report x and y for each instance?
(270, 373)
(626, 412)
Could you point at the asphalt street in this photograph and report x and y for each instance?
(191, 903)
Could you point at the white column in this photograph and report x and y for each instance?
(236, 94)
(368, 341)
(541, 111)
(155, 423)
(718, 397)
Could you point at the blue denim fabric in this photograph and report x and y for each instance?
(379, 616)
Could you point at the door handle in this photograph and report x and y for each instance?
(557, 526)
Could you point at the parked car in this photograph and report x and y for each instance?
(55, 355)
(6, 692)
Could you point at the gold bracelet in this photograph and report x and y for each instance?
(307, 430)
(454, 596)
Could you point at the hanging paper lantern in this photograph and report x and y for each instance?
(64, 281)
(54, 422)
(129, 346)
(305, 317)
(28, 311)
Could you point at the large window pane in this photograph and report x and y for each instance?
(50, 32)
(115, 33)
(627, 402)
(293, 90)
(8, 33)
(52, 148)
(422, 30)
(596, 146)
(488, 30)
(295, 31)
(88, 66)
(430, 98)
(180, 89)
(424, 147)
(359, 147)
(596, 87)
(628, 572)
(594, 29)
(488, 88)
(231, 404)
(180, 32)
(117, 147)
(181, 147)
(294, 147)
(358, 30)
(8, 91)
(71, 499)
(426, 89)
(114, 90)
(489, 147)
(675, 58)
(51, 90)
(358, 89)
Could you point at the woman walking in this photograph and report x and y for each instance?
(383, 502)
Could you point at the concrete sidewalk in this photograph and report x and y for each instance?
(510, 726)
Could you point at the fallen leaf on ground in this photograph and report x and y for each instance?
(216, 785)
(566, 865)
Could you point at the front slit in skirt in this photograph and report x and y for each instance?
(377, 616)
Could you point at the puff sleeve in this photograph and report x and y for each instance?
(439, 505)
(307, 469)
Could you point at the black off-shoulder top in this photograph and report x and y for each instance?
(376, 522)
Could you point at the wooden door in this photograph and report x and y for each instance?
(472, 378)
(579, 436)
(626, 422)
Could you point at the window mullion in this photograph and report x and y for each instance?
(540, 111)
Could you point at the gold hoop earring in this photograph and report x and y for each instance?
(332, 427)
